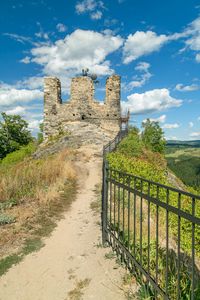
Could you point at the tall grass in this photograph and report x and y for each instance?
(30, 179)
(31, 189)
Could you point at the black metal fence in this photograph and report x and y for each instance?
(155, 229)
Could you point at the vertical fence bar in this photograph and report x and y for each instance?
(114, 205)
(110, 208)
(157, 237)
(149, 229)
(104, 203)
(141, 220)
(179, 245)
(134, 217)
(167, 242)
(193, 251)
(123, 209)
(129, 212)
(119, 207)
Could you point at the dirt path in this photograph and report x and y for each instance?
(71, 265)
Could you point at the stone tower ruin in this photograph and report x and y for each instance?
(81, 105)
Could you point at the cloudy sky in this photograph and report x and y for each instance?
(153, 45)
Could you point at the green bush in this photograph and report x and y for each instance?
(18, 155)
(131, 145)
(137, 167)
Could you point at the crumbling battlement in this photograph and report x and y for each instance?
(81, 105)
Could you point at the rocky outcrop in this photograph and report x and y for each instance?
(76, 134)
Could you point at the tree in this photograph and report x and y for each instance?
(153, 136)
(13, 133)
(40, 136)
(131, 145)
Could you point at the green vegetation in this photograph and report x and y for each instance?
(4, 219)
(13, 134)
(184, 161)
(153, 136)
(18, 155)
(40, 133)
(140, 160)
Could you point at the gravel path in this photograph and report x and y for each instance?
(71, 265)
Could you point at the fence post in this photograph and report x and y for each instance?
(104, 202)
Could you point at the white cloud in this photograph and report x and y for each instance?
(139, 81)
(82, 48)
(10, 95)
(195, 134)
(151, 101)
(142, 66)
(142, 43)
(198, 119)
(61, 27)
(193, 41)
(34, 124)
(187, 88)
(171, 126)
(42, 35)
(96, 15)
(19, 38)
(198, 57)
(93, 7)
(85, 5)
(31, 83)
(18, 110)
(191, 124)
(26, 60)
(160, 119)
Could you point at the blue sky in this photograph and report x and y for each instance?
(153, 45)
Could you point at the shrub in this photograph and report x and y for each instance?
(131, 145)
(18, 155)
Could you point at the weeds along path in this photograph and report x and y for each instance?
(71, 265)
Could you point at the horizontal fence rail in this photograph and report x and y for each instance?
(155, 229)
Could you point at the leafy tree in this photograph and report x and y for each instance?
(131, 145)
(40, 133)
(13, 133)
(153, 136)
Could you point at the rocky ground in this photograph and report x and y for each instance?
(78, 134)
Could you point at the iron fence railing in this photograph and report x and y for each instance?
(155, 229)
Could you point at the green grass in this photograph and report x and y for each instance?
(31, 245)
(18, 155)
(7, 262)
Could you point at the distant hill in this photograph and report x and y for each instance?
(183, 158)
(175, 143)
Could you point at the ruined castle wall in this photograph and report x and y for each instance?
(81, 105)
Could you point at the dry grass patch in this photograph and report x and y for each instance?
(34, 193)
(77, 292)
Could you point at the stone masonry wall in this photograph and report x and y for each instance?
(81, 105)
